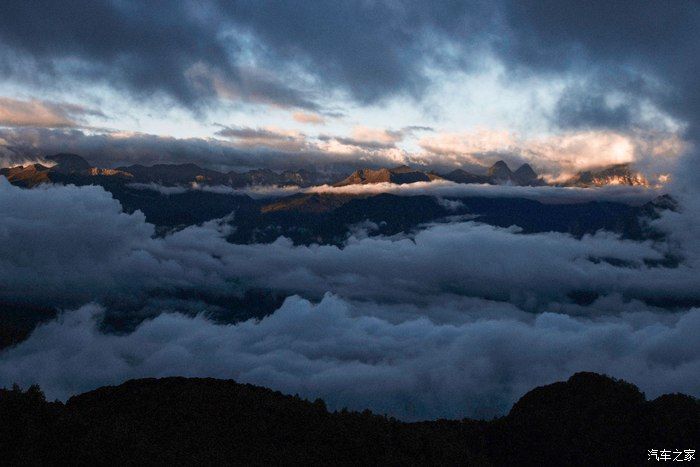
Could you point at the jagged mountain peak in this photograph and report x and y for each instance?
(399, 175)
(526, 170)
(500, 170)
(69, 163)
(402, 169)
(525, 175)
(617, 174)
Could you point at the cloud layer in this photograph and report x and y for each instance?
(562, 155)
(105, 253)
(633, 195)
(243, 148)
(414, 369)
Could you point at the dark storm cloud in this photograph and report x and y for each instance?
(153, 48)
(655, 44)
(371, 139)
(583, 109)
(370, 145)
(250, 133)
(646, 50)
(373, 49)
(250, 148)
(632, 38)
(195, 51)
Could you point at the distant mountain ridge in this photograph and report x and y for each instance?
(399, 175)
(618, 174)
(499, 174)
(68, 163)
(73, 165)
(27, 176)
(64, 165)
(326, 217)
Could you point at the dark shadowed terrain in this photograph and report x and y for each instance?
(328, 218)
(588, 420)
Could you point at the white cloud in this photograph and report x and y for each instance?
(554, 157)
(634, 195)
(561, 155)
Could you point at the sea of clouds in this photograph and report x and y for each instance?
(456, 320)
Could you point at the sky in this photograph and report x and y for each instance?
(236, 85)
(453, 319)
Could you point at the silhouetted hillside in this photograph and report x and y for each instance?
(588, 420)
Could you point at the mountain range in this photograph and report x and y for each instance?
(63, 165)
(497, 174)
(618, 174)
(329, 218)
(398, 175)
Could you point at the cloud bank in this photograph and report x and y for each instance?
(633, 195)
(243, 148)
(561, 155)
(104, 249)
(414, 370)
(106, 253)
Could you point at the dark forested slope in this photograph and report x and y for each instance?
(588, 420)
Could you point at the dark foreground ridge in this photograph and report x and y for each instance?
(588, 420)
